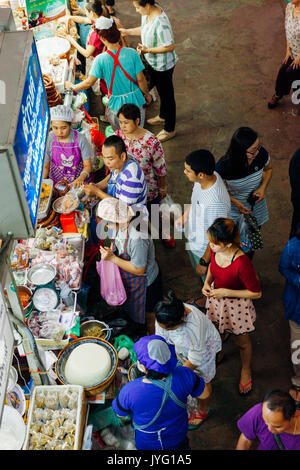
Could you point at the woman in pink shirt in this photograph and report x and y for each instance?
(230, 286)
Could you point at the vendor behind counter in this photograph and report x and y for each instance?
(68, 153)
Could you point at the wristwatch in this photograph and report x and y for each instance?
(203, 262)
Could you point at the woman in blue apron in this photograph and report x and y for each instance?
(133, 252)
(157, 402)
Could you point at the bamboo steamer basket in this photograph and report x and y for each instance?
(65, 352)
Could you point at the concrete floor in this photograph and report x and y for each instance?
(229, 53)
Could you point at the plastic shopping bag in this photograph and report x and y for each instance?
(111, 284)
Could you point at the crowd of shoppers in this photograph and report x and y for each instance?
(183, 343)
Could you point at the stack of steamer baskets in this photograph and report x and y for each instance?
(53, 97)
(88, 361)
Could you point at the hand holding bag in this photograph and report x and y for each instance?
(254, 232)
(111, 284)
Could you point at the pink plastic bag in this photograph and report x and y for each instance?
(111, 284)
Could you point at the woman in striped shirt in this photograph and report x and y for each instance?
(246, 170)
(158, 47)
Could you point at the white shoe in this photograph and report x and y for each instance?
(155, 120)
(163, 135)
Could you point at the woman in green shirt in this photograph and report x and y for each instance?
(158, 47)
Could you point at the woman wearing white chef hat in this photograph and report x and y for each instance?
(122, 70)
(68, 153)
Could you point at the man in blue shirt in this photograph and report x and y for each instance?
(157, 402)
(289, 267)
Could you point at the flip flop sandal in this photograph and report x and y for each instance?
(243, 386)
(201, 416)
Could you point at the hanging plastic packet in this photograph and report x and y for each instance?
(74, 332)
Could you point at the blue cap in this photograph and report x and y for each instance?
(156, 354)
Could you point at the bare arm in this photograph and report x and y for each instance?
(244, 293)
(107, 254)
(243, 443)
(84, 85)
(156, 50)
(142, 83)
(87, 167)
(85, 52)
(128, 266)
(131, 32)
(46, 170)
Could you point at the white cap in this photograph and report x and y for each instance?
(61, 113)
(103, 23)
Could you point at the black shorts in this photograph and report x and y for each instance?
(154, 293)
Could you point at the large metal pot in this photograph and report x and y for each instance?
(65, 353)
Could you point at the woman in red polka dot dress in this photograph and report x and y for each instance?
(230, 286)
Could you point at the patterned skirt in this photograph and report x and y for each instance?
(236, 316)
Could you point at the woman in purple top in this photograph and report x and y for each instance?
(275, 423)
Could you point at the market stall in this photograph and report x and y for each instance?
(64, 365)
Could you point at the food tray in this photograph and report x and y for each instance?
(81, 412)
(60, 85)
(41, 274)
(57, 205)
(77, 241)
(44, 213)
(51, 344)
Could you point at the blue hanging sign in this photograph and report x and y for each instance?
(32, 132)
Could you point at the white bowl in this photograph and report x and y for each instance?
(12, 429)
(50, 47)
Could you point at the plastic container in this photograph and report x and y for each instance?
(85, 326)
(44, 213)
(81, 412)
(55, 46)
(12, 430)
(16, 399)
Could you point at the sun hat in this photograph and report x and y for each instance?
(114, 210)
(156, 354)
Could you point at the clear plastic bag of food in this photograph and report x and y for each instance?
(73, 401)
(48, 429)
(54, 444)
(51, 400)
(64, 396)
(36, 426)
(59, 433)
(69, 440)
(40, 399)
(39, 439)
(69, 427)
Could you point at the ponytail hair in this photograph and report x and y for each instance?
(224, 230)
(169, 311)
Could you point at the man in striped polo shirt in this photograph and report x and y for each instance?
(210, 200)
(126, 180)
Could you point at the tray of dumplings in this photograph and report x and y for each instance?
(56, 418)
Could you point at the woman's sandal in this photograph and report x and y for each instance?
(274, 101)
(243, 386)
(200, 417)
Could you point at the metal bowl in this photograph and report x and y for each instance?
(57, 203)
(28, 291)
(65, 353)
(134, 372)
(51, 297)
(87, 325)
(41, 274)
